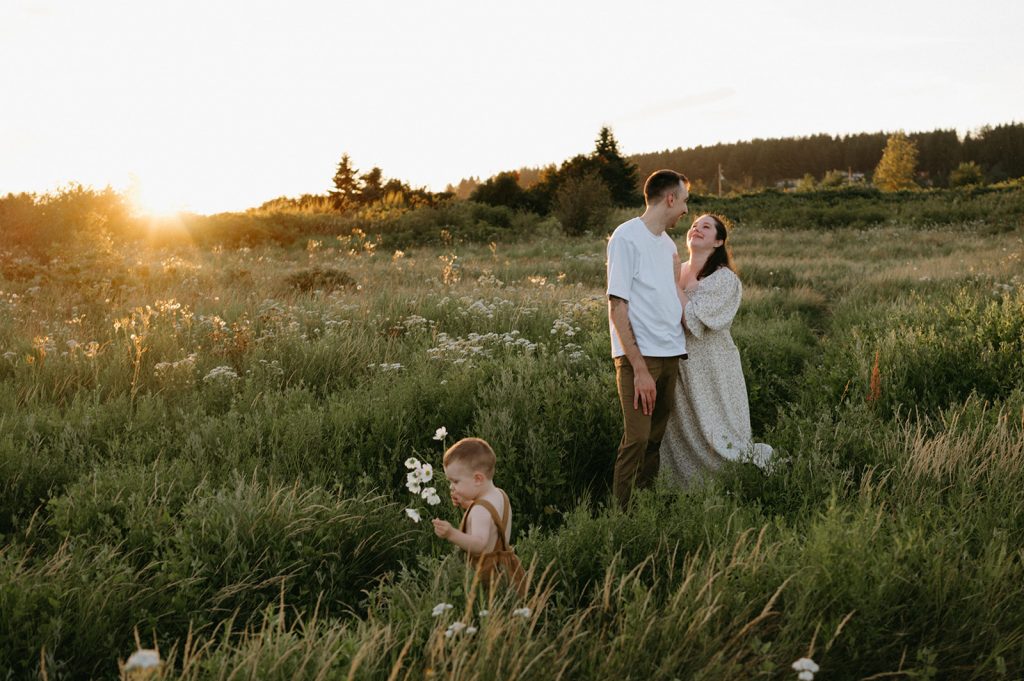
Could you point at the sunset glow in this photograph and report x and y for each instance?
(221, 106)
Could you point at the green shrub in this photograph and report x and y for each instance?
(320, 278)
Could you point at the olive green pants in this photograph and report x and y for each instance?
(636, 464)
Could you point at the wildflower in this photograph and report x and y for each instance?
(413, 514)
(807, 668)
(433, 499)
(426, 472)
(522, 612)
(471, 630)
(440, 609)
(454, 628)
(805, 664)
(221, 373)
(142, 659)
(441, 433)
(412, 462)
(484, 613)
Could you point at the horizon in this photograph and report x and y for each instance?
(210, 110)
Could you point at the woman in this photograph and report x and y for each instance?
(710, 420)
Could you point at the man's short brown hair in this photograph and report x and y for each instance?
(473, 453)
(662, 181)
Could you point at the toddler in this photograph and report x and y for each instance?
(485, 530)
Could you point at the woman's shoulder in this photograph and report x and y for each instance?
(723, 276)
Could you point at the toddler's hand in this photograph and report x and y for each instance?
(442, 528)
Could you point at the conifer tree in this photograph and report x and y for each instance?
(618, 174)
(345, 194)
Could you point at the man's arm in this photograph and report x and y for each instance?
(644, 391)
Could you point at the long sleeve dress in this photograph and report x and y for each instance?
(710, 420)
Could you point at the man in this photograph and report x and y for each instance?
(645, 319)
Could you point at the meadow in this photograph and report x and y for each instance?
(202, 447)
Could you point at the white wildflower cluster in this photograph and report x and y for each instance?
(455, 628)
(573, 352)
(419, 474)
(478, 346)
(458, 628)
(488, 279)
(8, 301)
(221, 375)
(806, 668)
(180, 371)
(416, 322)
(386, 367)
(564, 327)
(487, 308)
(336, 325)
(212, 324)
(268, 368)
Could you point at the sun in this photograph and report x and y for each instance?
(154, 200)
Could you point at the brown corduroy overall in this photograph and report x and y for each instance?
(502, 563)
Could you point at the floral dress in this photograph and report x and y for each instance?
(710, 419)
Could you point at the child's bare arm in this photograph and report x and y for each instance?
(474, 541)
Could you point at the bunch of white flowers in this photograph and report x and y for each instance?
(419, 474)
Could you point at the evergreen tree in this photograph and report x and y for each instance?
(618, 174)
(372, 189)
(899, 163)
(345, 194)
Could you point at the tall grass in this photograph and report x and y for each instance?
(199, 451)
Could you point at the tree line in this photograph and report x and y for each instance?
(998, 152)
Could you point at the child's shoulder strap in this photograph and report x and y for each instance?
(499, 521)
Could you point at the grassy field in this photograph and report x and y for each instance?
(202, 449)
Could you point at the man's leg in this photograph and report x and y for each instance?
(664, 370)
(636, 429)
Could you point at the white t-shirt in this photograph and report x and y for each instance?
(640, 272)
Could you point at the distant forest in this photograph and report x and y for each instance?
(999, 151)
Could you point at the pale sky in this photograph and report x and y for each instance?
(213, 106)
